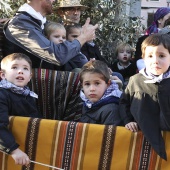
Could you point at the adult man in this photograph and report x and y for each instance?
(70, 11)
(24, 33)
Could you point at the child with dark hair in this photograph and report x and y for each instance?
(100, 94)
(15, 100)
(145, 101)
(73, 31)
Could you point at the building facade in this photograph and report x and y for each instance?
(149, 7)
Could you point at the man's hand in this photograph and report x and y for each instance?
(88, 32)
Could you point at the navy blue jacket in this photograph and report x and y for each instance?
(12, 104)
(103, 112)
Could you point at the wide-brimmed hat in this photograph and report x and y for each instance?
(71, 3)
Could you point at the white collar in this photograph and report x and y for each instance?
(120, 67)
(37, 15)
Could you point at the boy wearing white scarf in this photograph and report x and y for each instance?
(145, 103)
(15, 100)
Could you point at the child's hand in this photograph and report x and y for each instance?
(132, 126)
(20, 157)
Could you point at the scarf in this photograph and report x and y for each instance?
(112, 90)
(152, 78)
(25, 91)
(27, 8)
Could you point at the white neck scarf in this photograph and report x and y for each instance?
(152, 78)
(25, 91)
(37, 15)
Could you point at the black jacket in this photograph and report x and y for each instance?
(143, 102)
(12, 104)
(104, 112)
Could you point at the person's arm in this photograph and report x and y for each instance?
(28, 35)
(125, 104)
(7, 140)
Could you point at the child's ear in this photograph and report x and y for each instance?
(109, 83)
(30, 76)
(2, 74)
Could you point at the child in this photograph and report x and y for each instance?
(73, 31)
(124, 65)
(100, 94)
(15, 100)
(145, 102)
(57, 33)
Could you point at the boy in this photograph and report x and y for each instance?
(145, 101)
(100, 94)
(15, 100)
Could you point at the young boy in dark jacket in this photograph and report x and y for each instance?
(15, 100)
(100, 94)
(145, 103)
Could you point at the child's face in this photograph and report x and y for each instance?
(74, 34)
(157, 59)
(58, 36)
(94, 86)
(17, 72)
(124, 55)
(161, 22)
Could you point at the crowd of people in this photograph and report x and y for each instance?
(141, 103)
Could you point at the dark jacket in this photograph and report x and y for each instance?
(143, 102)
(12, 104)
(104, 112)
(24, 34)
(93, 52)
(127, 72)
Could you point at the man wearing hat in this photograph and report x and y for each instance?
(24, 33)
(70, 11)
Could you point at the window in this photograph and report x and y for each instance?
(150, 19)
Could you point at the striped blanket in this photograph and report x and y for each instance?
(77, 146)
(58, 94)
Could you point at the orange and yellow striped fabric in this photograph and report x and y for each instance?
(78, 146)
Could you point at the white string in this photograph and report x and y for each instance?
(45, 165)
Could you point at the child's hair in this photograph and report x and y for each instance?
(96, 66)
(155, 40)
(69, 28)
(51, 27)
(12, 57)
(122, 46)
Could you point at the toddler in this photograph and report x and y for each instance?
(124, 64)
